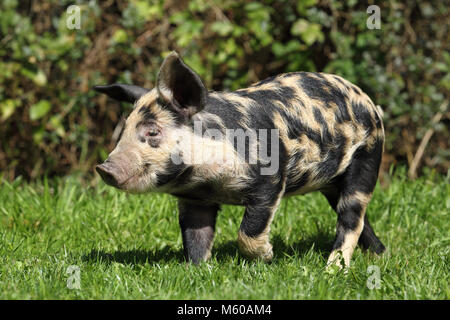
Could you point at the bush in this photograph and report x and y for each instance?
(52, 123)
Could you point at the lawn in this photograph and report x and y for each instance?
(126, 246)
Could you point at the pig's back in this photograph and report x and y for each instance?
(322, 120)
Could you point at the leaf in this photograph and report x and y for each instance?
(222, 28)
(55, 122)
(38, 135)
(313, 34)
(120, 36)
(38, 77)
(309, 32)
(8, 107)
(281, 50)
(39, 109)
(303, 5)
(299, 27)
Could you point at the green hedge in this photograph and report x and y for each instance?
(52, 123)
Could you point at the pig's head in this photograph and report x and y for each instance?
(143, 157)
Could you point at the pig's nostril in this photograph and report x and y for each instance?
(107, 175)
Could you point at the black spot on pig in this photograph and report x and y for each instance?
(267, 97)
(226, 110)
(333, 157)
(324, 91)
(173, 172)
(363, 116)
(147, 113)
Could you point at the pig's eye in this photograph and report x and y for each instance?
(152, 132)
(149, 133)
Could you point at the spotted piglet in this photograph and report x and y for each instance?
(286, 135)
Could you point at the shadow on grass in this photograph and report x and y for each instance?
(320, 243)
(134, 256)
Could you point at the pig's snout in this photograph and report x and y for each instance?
(108, 173)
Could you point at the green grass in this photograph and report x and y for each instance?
(129, 246)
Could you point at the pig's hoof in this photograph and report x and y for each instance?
(255, 247)
(336, 263)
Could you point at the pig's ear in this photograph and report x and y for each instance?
(122, 92)
(180, 87)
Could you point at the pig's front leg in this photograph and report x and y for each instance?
(197, 222)
(253, 236)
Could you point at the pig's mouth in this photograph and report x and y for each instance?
(134, 177)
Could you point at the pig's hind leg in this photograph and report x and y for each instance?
(350, 197)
